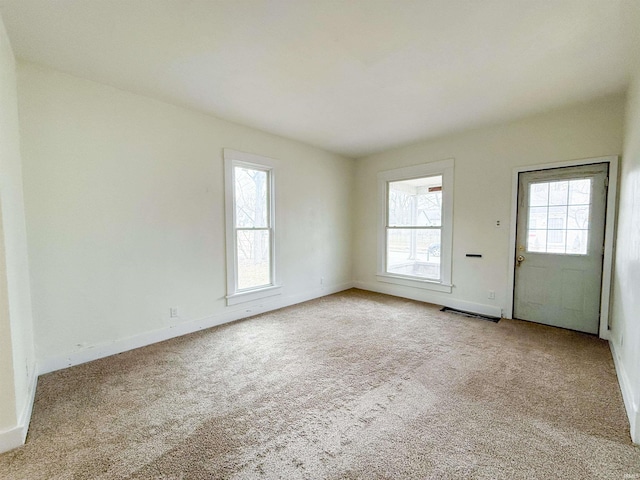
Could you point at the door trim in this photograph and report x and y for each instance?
(609, 232)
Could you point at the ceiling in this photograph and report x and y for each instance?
(353, 77)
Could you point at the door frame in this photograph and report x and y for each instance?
(609, 232)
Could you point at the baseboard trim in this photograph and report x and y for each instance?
(430, 297)
(633, 410)
(10, 439)
(15, 437)
(95, 352)
(25, 417)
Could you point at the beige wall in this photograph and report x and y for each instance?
(17, 363)
(484, 162)
(125, 211)
(626, 285)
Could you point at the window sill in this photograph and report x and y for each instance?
(415, 283)
(250, 295)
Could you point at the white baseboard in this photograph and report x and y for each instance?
(430, 297)
(633, 410)
(10, 439)
(15, 437)
(25, 416)
(94, 352)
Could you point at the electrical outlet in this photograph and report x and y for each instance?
(321, 280)
(492, 295)
(173, 312)
(498, 224)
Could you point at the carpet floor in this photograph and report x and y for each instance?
(353, 385)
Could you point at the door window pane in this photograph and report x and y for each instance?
(577, 242)
(537, 241)
(558, 192)
(539, 194)
(578, 217)
(557, 218)
(580, 192)
(556, 241)
(559, 223)
(538, 217)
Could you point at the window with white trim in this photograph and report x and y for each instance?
(250, 212)
(415, 227)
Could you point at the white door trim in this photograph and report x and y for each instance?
(609, 232)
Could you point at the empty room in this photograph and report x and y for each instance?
(319, 239)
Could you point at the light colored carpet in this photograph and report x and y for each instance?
(354, 385)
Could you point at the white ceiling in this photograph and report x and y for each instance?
(351, 76)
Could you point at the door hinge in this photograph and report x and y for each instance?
(606, 181)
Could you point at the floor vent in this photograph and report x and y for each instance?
(469, 314)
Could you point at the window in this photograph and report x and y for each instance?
(559, 216)
(249, 187)
(416, 226)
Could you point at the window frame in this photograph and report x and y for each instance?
(233, 159)
(446, 169)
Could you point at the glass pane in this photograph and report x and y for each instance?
(557, 218)
(578, 217)
(537, 241)
(254, 258)
(539, 195)
(537, 217)
(556, 241)
(251, 198)
(580, 192)
(558, 193)
(568, 208)
(577, 242)
(416, 202)
(414, 252)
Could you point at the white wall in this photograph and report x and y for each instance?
(17, 362)
(484, 162)
(625, 324)
(124, 199)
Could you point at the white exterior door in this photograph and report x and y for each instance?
(560, 246)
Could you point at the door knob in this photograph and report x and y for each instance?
(520, 259)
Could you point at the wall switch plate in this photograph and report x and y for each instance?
(492, 295)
